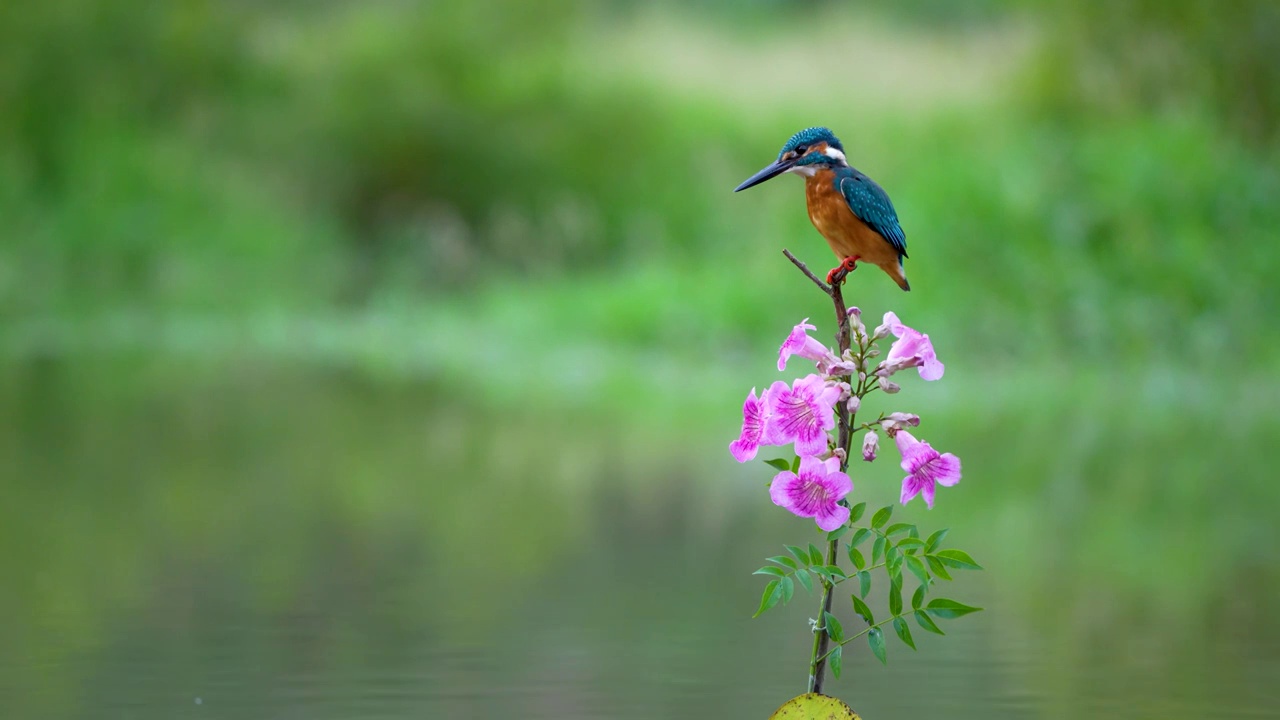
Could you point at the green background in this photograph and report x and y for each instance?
(379, 359)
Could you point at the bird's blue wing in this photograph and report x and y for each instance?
(871, 204)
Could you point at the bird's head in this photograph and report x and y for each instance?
(804, 154)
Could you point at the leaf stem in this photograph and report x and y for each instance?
(851, 638)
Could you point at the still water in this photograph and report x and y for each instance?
(240, 540)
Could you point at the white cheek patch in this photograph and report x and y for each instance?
(803, 170)
(834, 153)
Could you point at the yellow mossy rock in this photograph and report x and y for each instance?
(812, 706)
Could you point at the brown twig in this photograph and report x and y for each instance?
(805, 269)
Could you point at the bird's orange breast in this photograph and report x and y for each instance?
(844, 231)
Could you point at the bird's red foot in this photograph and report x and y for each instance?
(837, 274)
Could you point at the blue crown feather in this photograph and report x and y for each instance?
(809, 136)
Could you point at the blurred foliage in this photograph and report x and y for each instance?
(226, 157)
(1190, 56)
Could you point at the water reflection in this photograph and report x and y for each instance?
(247, 540)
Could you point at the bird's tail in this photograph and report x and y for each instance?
(899, 275)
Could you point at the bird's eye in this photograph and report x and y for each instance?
(801, 150)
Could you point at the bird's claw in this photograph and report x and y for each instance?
(837, 274)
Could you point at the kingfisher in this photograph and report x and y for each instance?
(851, 211)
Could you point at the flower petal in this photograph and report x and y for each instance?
(832, 517)
(811, 440)
(926, 491)
(795, 342)
(838, 485)
(946, 470)
(931, 368)
(911, 485)
(782, 489)
(909, 446)
(754, 421)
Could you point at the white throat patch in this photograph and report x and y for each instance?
(803, 170)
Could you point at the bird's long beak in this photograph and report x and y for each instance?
(773, 170)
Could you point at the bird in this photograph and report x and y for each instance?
(848, 208)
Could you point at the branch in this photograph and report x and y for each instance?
(805, 269)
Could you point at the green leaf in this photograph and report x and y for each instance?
(815, 555)
(896, 528)
(859, 536)
(855, 557)
(916, 566)
(805, 579)
(895, 599)
(915, 533)
(863, 610)
(890, 555)
(835, 660)
(795, 464)
(881, 517)
(910, 544)
(779, 463)
(925, 622)
(917, 598)
(932, 543)
(894, 568)
(855, 512)
(944, 608)
(864, 582)
(837, 533)
(875, 639)
(958, 559)
(833, 627)
(830, 572)
(937, 568)
(788, 589)
(772, 594)
(904, 632)
(783, 560)
(770, 570)
(877, 549)
(801, 554)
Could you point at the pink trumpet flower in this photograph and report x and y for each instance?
(815, 492)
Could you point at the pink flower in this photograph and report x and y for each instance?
(815, 492)
(925, 467)
(799, 343)
(911, 349)
(755, 415)
(802, 413)
(870, 443)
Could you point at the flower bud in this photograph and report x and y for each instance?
(839, 454)
(870, 442)
(855, 402)
(888, 385)
(904, 419)
(881, 332)
(855, 322)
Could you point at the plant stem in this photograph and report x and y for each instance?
(818, 660)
